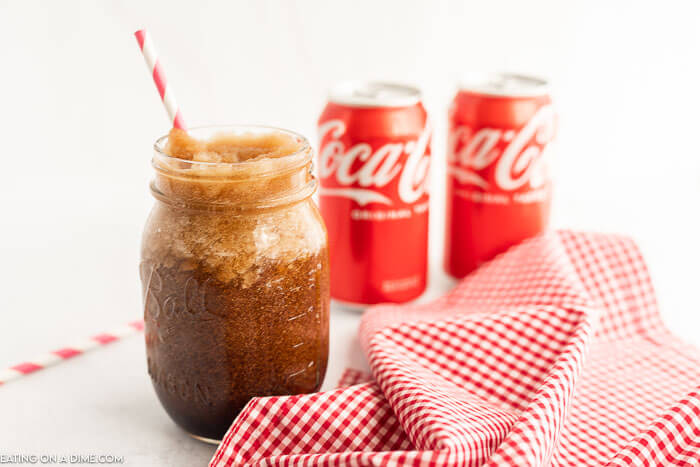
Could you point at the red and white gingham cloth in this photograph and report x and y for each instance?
(552, 354)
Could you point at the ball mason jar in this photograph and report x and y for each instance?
(234, 269)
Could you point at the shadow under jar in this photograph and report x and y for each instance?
(234, 268)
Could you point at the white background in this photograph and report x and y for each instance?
(79, 112)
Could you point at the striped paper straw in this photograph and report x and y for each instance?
(166, 92)
(63, 354)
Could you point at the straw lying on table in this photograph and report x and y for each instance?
(168, 97)
(65, 353)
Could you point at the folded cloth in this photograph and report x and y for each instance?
(552, 354)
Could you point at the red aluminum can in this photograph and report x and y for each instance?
(498, 184)
(374, 158)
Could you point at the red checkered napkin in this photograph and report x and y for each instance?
(552, 354)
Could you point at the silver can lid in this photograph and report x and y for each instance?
(504, 84)
(374, 94)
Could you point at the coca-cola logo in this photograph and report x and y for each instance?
(517, 157)
(362, 173)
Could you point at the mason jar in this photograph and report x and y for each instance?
(234, 268)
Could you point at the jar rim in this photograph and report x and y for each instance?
(293, 197)
(234, 183)
(304, 150)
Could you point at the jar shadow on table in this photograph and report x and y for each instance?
(143, 406)
(355, 358)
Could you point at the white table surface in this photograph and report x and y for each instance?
(103, 402)
(79, 115)
(74, 283)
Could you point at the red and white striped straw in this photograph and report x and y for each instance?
(166, 92)
(63, 354)
(168, 97)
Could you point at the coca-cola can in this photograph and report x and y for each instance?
(498, 183)
(374, 159)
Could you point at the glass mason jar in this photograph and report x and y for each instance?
(234, 268)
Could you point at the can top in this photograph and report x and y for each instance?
(374, 94)
(504, 84)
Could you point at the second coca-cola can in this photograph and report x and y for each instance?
(374, 158)
(498, 183)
